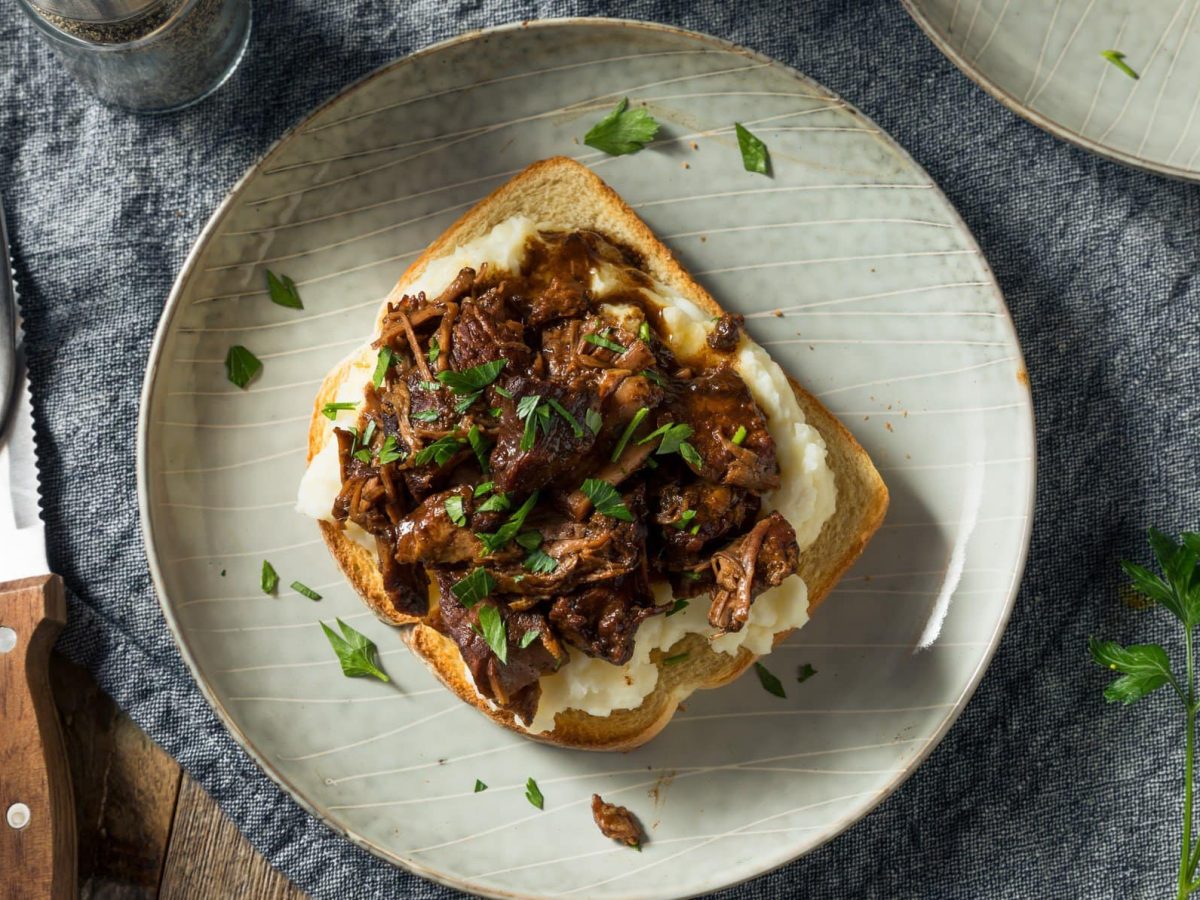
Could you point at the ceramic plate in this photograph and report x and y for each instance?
(850, 266)
(1042, 60)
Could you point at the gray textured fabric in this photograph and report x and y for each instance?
(1040, 790)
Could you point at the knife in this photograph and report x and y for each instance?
(37, 814)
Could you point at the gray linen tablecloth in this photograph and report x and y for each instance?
(1040, 789)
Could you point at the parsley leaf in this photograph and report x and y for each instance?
(330, 410)
(301, 588)
(601, 341)
(495, 503)
(1144, 667)
(628, 432)
(674, 660)
(530, 540)
(434, 351)
(739, 435)
(679, 606)
(382, 364)
(283, 291)
(465, 403)
(241, 365)
(770, 683)
(389, 453)
(576, 429)
(533, 795)
(754, 152)
(685, 519)
(270, 578)
(593, 420)
(473, 588)
(363, 455)
(1117, 58)
(484, 487)
(644, 331)
(527, 409)
(529, 637)
(502, 392)
(806, 672)
(652, 376)
(493, 541)
(479, 786)
(440, 451)
(426, 415)
(454, 509)
(622, 131)
(492, 625)
(606, 499)
(540, 562)
(690, 456)
(479, 446)
(468, 381)
(673, 435)
(355, 651)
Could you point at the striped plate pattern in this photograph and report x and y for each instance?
(1042, 60)
(850, 266)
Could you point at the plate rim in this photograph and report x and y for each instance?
(173, 302)
(1042, 121)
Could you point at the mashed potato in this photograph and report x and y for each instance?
(806, 496)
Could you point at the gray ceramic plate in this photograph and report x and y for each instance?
(890, 315)
(1042, 60)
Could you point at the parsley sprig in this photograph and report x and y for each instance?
(355, 651)
(623, 130)
(1144, 668)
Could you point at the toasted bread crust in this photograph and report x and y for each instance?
(560, 193)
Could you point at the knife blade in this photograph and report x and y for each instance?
(37, 814)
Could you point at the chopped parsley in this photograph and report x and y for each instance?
(679, 606)
(473, 588)
(576, 428)
(468, 381)
(540, 562)
(529, 637)
(389, 452)
(530, 540)
(593, 420)
(739, 435)
(651, 375)
(241, 365)
(770, 683)
(426, 415)
(355, 651)
(454, 509)
(479, 446)
(270, 578)
(622, 131)
(535, 415)
(644, 331)
(606, 499)
(671, 434)
(330, 410)
(382, 364)
(283, 291)
(492, 628)
(502, 392)
(479, 786)
(495, 503)
(601, 341)
(363, 455)
(484, 487)
(754, 152)
(1117, 58)
(533, 795)
(301, 588)
(805, 672)
(465, 403)
(440, 451)
(493, 541)
(628, 432)
(690, 456)
(685, 519)
(434, 351)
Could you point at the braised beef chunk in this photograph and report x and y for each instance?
(717, 405)
(726, 333)
(758, 560)
(554, 488)
(616, 822)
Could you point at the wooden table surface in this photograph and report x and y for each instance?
(145, 828)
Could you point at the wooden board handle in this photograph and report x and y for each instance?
(37, 813)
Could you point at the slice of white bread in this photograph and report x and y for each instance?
(560, 193)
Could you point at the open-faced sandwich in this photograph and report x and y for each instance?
(568, 475)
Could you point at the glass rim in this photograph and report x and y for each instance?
(56, 34)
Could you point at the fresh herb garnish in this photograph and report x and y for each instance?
(429, 385)
(674, 660)
(754, 151)
(382, 364)
(241, 365)
(495, 503)
(301, 588)
(679, 606)
(806, 672)
(369, 433)
(492, 625)
(330, 410)
(527, 411)
(601, 341)
(628, 432)
(495, 412)
(1117, 58)
(493, 541)
(473, 588)
(434, 351)
(479, 786)
(484, 487)
(363, 455)
(426, 415)
(644, 331)
(1145, 668)
(283, 291)
(502, 392)
(606, 499)
(623, 130)
(529, 637)
(690, 456)
(770, 683)
(672, 434)
(540, 562)
(454, 509)
(389, 452)
(468, 381)
(691, 576)
(270, 578)
(479, 446)
(465, 403)
(530, 540)
(576, 428)
(685, 519)
(440, 451)
(739, 435)
(593, 420)
(652, 376)
(533, 795)
(355, 651)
